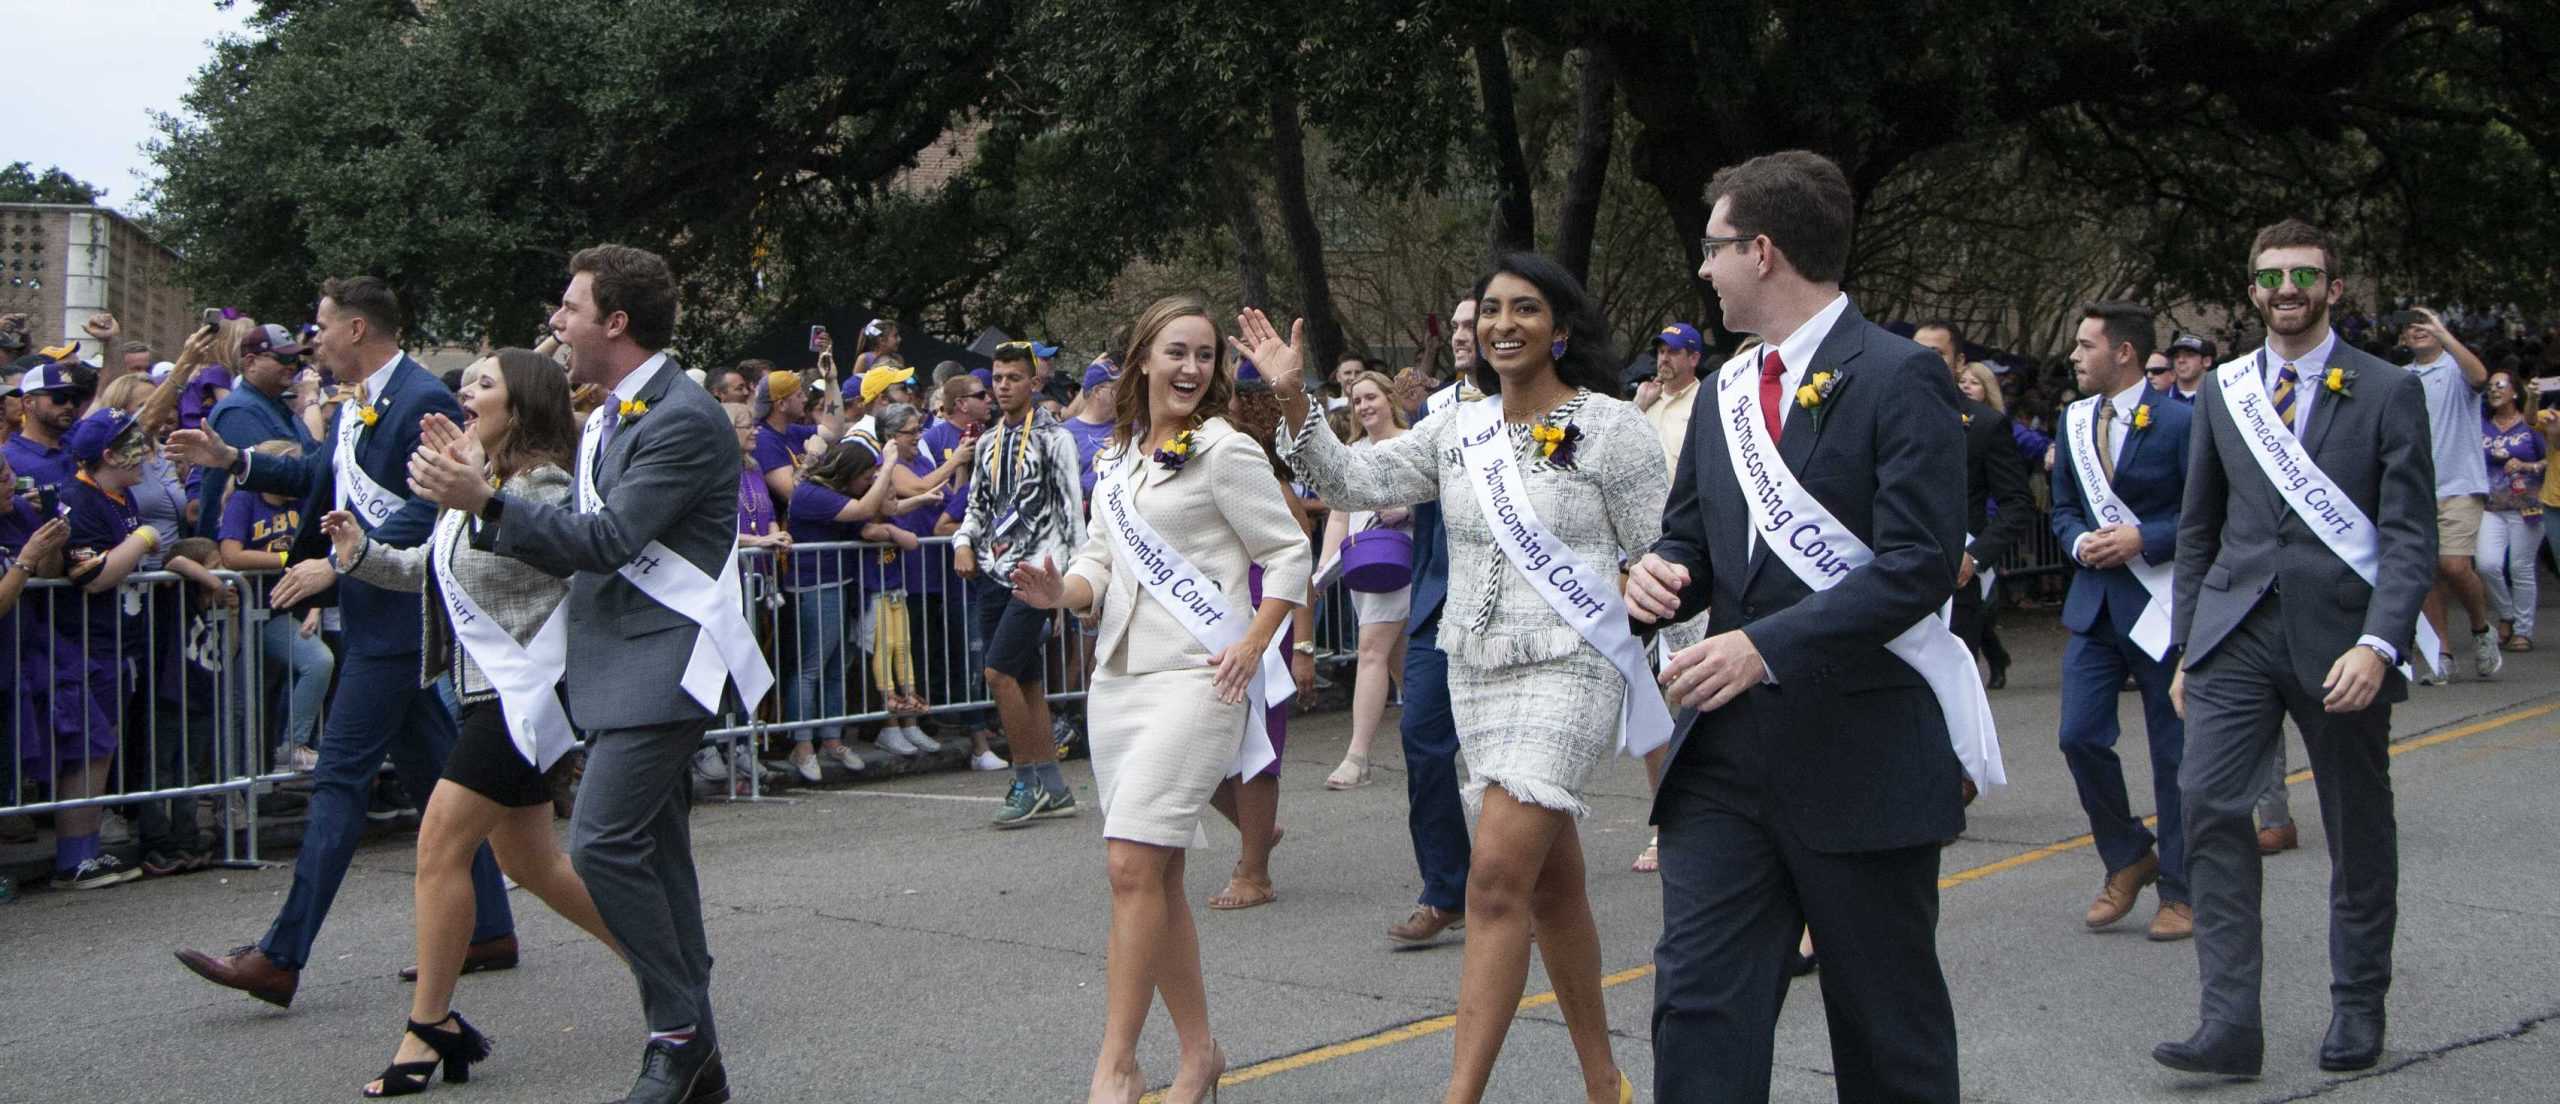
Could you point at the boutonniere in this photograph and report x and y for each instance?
(2339, 382)
(1176, 452)
(1968, 419)
(1815, 395)
(633, 408)
(369, 414)
(2142, 416)
(1556, 443)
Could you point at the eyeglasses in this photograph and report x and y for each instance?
(2156, 370)
(2304, 277)
(1012, 345)
(1708, 245)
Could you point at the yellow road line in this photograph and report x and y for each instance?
(1405, 1033)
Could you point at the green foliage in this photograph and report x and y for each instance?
(20, 183)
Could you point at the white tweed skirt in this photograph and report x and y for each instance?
(1538, 730)
(1161, 743)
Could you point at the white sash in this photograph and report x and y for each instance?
(1821, 551)
(1587, 599)
(2151, 630)
(1196, 601)
(524, 675)
(725, 650)
(2314, 497)
(357, 493)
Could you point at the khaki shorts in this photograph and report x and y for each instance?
(2458, 525)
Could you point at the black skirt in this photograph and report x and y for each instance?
(486, 762)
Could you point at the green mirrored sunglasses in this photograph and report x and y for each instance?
(2273, 278)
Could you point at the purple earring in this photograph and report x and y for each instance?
(1556, 351)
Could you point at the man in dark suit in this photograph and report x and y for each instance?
(380, 706)
(663, 502)
(1999, 508)
(1434, 815)
(2276, 621)
(2117, 517)
(1813, 781)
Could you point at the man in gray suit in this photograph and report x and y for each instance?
(661, 492)
(2290, 603)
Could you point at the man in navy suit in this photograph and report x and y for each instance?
(1436, 819)
(1812, 780)
(2118, 473)
(380, 706)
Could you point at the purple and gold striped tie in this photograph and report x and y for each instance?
(2286, 377)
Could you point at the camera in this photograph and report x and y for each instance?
(817, 338)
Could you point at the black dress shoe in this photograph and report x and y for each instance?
(2354, 1042)
(680, 1073)
(2216, 1048)
(1999, 677)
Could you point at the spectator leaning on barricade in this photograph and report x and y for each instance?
(893, 641)
(781, 407)
(2453, 377)
(839, 504)
(31, 546)
(255, 412)
(257, 532)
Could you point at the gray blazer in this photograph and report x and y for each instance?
(516, 596)
(2237, 538)
(669, 475)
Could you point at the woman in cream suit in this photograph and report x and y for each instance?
(1168, 716)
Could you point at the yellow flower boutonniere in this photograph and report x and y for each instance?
(1968, 419)
(2142, 416)
(1176, 452)
(633, 408)
(2335, 380)
(1556, 443)
(1817, 390)
(368, 415)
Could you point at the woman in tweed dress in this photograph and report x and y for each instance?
(1531, 698)
(1168, 717)
(516, 408)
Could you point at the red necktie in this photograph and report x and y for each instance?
(1770, 369)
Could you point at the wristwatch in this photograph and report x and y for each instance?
(1304, 647)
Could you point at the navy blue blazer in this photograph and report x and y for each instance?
(2151, 479)
(379, 622)
(1430, 568)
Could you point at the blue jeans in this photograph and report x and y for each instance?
(306, 664)
(1437, 819)
(816, 688)
(381, 708)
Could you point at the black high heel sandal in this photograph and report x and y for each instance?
(455, 1050)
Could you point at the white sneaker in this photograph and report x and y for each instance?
(2485, 657)
(988, 761)
(114, 830)
(743, 764)
(895, 742)
(844, 757)
(709, 766)
(2436, 675)
(808, 767)
(915, 735)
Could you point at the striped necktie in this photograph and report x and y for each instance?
(2282, 397)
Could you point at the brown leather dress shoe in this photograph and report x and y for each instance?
(2122, 889)
(2172, 923)
(494, 954)
(1426, 924)
(249, 970)
(2272, 840)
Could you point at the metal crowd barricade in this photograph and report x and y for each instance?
(827, 616)
(120, 699)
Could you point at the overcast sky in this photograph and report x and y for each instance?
(89, 74)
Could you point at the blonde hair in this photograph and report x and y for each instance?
(227, 339)
(125, 391)
(1386, 389)
(1981, 373)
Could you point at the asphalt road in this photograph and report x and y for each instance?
(880, 943)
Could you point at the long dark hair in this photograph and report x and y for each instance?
(842, 467)
(1589, 361)
(540, 429)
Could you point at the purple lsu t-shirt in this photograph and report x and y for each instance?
(775, 448)
(259, 526)
(1090, 438)
(99, 522)
(813, 513)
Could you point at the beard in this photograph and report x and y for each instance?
(2315, 317)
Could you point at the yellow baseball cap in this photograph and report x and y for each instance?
(781, 385)
(878, 380)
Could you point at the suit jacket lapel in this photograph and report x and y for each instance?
(2324, 413)
(1803, 428)
(652, 393)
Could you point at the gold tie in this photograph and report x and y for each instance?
(2106, 446)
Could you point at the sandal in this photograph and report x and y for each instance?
(1649, 860)
(455, 1050)
(1243, 893)
(2519, 643)
(1351, 775)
